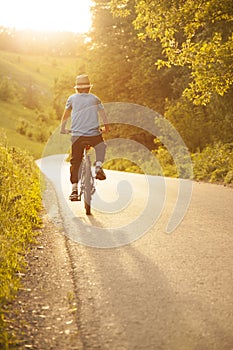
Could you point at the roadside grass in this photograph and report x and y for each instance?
(20, 205)
(20, 141)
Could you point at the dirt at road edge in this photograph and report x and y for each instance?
(44, 314)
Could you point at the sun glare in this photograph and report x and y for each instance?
(47, 15)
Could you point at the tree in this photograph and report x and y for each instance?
(123, 67)
(111, 46)
(196, 34)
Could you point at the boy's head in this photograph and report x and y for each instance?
(83, 84)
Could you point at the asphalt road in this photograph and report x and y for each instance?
(137, 286)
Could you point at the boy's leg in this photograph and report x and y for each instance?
(75, 162)
(100, 147)
(100, 150)
(76, 159)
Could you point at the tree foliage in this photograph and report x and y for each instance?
(197, 34)
(215, 163)
(190, 42)
(112, 44)
(121, 66)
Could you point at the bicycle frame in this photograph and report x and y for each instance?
(87, 180)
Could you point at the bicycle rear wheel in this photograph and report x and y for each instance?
(88, 187)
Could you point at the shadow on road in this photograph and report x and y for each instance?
(137, 307)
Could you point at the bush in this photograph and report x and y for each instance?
(7, 89)
(122, 165)
(39, 133)
(20, 203)
(22, 127)
(166, 161)
(214, 163)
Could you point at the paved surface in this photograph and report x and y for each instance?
(163, 291)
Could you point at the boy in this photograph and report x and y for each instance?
(84, 108)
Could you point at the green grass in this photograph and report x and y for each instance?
(22, 71)
(10, 114)
(20, 204)
(40, 69)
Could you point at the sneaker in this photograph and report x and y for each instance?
(100, 175)
(74, 196)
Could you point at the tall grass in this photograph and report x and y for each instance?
(20, 203)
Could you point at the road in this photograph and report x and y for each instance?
(137, 286)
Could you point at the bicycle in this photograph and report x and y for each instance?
(87, 181)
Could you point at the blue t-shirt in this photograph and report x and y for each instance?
(84, 114)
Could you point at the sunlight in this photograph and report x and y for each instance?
(47, 15)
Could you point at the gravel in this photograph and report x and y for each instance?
(44, 314)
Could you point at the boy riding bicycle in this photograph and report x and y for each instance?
(84, 108)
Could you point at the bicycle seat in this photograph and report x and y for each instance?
(86, 145)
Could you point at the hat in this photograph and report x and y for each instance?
(82, 82)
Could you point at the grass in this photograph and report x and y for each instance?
(20, 204)
(39, 69)
(10, 114)
(40, 72)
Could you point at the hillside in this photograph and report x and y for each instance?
(26, 97)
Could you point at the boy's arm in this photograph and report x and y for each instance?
(64, 119)
(105, 119)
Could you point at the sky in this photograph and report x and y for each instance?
(46, 15)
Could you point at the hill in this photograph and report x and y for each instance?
(26, 97)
